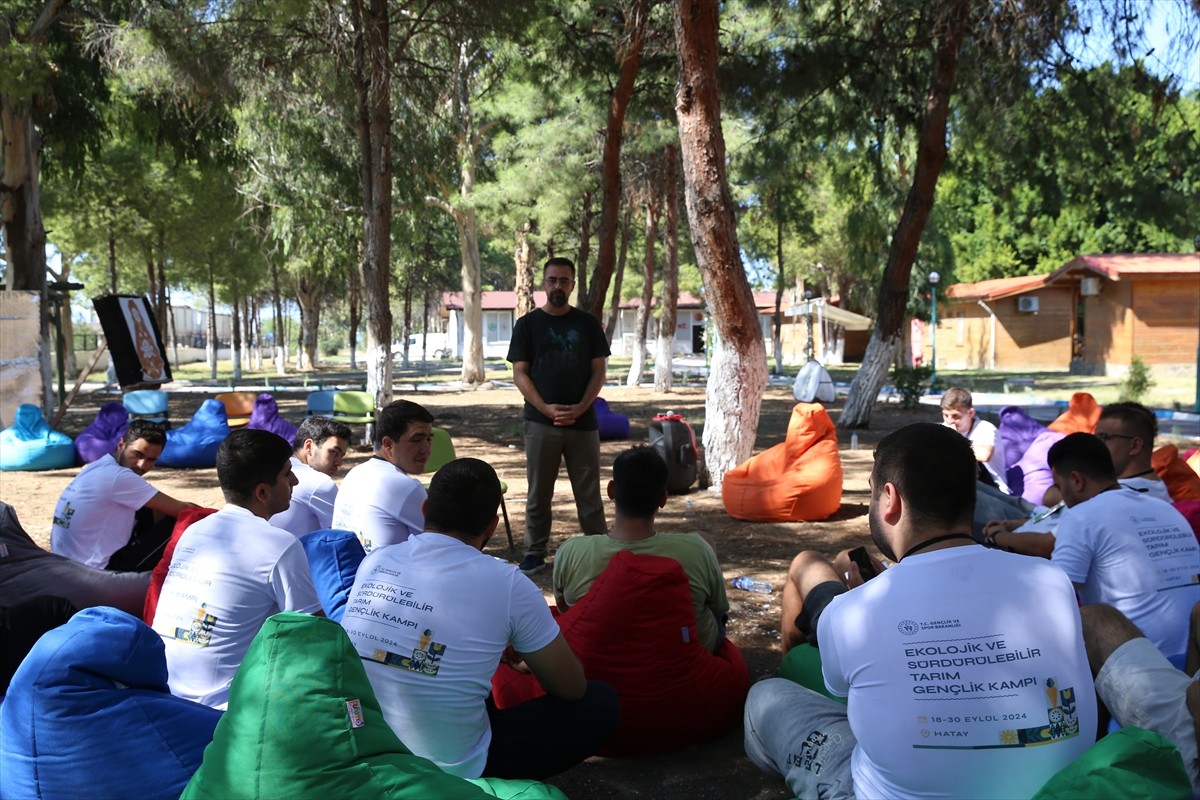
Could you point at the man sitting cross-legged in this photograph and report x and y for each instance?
(432, 616)
(232, 570)
(318, 449)
(380, 499)
(109, 516)
(639, 489)
(1119, 546)
(955, 660)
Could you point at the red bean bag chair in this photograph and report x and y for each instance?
(1081, 416)
(1191, 512)
(635, 629)
(159, 576)
(1182, 483)
(799, 479)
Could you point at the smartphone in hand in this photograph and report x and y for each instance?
(865, 568)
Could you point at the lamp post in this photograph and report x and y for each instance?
(1196, 242)
(808, 348)
(934, 277)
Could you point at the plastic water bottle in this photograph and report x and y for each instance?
(688, 509)
(854, 440)
(746, 583)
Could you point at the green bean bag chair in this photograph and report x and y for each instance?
(1132, 762)
(303, 722)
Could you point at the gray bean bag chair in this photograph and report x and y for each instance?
(28, 571)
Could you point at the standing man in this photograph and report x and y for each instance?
(381, 499)
(559, 357)
(319, 447)
(964, 668)
(431, 618)
(232, 570)
(106, 517)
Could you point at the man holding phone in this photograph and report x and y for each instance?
(966, 674)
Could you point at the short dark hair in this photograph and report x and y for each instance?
(395, 417)
(1134, 416)
(1083, 453)
(145, 430)
(934, 469)
(247, 458)
(639, 480)
(319, 429)
(559, 261)
(463, 497)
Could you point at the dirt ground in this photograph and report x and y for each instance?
(485, 423)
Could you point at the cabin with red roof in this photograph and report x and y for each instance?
(1091, 316)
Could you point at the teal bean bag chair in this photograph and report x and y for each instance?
(303, 722)
(29, 444)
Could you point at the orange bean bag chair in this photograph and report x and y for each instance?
(1182, 483)
(635, 629)
(1192, 458)
(1081, 416)
(798, 479)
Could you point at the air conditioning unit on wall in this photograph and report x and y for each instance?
(1089, 287)
(1027, 305)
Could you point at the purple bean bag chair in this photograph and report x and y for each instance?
(612, 425)
(89, 714)
(195, 444)
(265, 417)
(29, 443)
(1017, 432)
(1032, 473)
(101, 437)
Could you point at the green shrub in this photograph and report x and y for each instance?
(910, 382)
(1137, 383)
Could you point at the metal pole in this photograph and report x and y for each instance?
(1196, 242)
(933, 282)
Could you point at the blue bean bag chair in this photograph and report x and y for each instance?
(100, 438)
(333, 559)
(195, 443)
(29, 444)
(88, 714)
(612, 425)
(265, 417)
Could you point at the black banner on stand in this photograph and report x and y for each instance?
(134, 342)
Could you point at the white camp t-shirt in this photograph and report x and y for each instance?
(1138, 554)
(966, 675)
(311, 508)
(431, 617)
(381, 503)
(95, 513)
(230, 571)
(1151, 487)
(984, 433)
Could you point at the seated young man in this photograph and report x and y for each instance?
(109, 516)
(232, 570)
(639, 489)
(380, 499)
(1139, 686)
(955, 661)
(432, 616)
(317, 453)
(959, 413)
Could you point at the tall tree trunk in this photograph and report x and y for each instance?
(277, 336)
(629, 56)
(893, 293)
(160, 259)
(408, 292)
(355, 304)
(664, 375)
(172, 332)
(236, 349)
(372, 78)
(112, 261)
(213, 344)
(777, 327)
(638, 364)
(523, 259)
(308, 295)
(302, 362)
(738, 372)
(614, 303)
(585, 248)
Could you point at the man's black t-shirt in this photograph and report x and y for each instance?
(559, 350)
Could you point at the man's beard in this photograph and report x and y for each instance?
(877, 534)
(558, 298)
